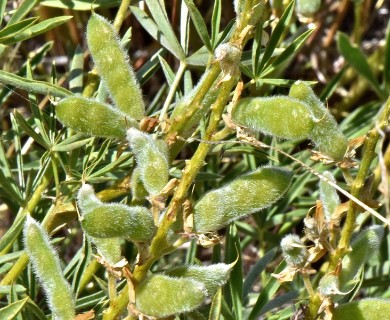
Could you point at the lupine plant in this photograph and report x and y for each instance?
(235, 190)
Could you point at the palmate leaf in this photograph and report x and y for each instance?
(287, 53)
(276, 36)
(358, 61)
(12, 310)
(199, 24)
(37, 29)
(36, 86)
(161, 22)
(3, 4)
(268, 291)
(14, 29)
(76, 71)
(233, 249)
(215, 22)
(25, 7)
(82, 5)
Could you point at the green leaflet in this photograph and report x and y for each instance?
(47, 268)
(366, 309)
(113, 66)
(325, 134)
(161, 296)
(280, 116)
(213, 276)
(363, 247)
(112, 220)
(152, 160)
(93, 117)
(243, 196)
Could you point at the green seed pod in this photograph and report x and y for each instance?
(366, 309)
(213, 276)
(294, 251)
(152, 160)
(279, 116)
(326, 134)
(138, 190)
(243, 196)
(93, 117)
(161, 296)
(113, 66)
(108, 248)
(307, 8)
(47, 268)
(112, 220)
(328, 195)
(363, 247)
(329, 285)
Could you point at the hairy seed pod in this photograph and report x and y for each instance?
(294, 251)
(213, 276)
(366, 309)
(364, 246)
(243, 196)
(112, 220)
(328, 195)
(46, 266)
(152, 160)
(279, 116)
(113, 66)
(329, 285)
(138, 190)
(326, 134)
(93, 117)
(161, 296)
(108, 248)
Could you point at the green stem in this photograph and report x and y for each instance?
(121, 14)
(160, 244)
(368, 156)
(172, 90)
(112, 294)
(194, 104)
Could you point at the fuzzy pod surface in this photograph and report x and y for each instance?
(328, 195)
(280, 116)
(326, 133)
(366, 309)
(152, 160)
(108, 248)
(245, 195)
(161, 296)
(112, 220)
(213, 276)
(329, 285)
(294, 251)
(93, 117)
(364, 246)
(138, 190)
(113, 66)
(46, 266)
